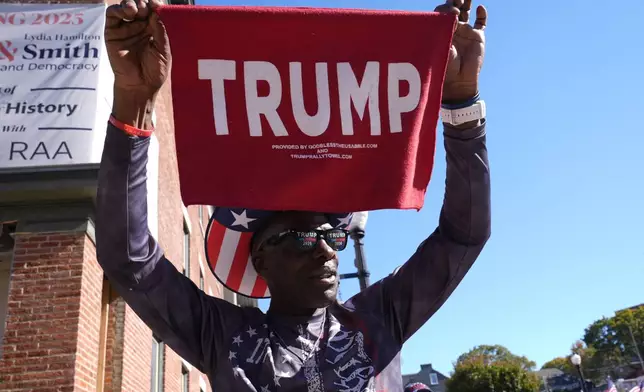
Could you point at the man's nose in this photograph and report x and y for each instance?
(323, 251)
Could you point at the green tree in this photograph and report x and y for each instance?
(588, 361)
(607, 344)
(611, 338)
(493, 354)
(475, 375)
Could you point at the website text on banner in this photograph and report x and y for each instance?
(269, 100)
(55, 85)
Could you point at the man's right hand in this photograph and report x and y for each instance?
(139, 52)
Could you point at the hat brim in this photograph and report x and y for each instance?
(227, 248)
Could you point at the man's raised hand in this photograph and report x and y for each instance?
(467, 52)
(137, 45)
(139, 53)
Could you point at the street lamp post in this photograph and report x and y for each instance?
(357, 231)
(576, 361)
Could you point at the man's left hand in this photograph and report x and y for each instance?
(467, 52)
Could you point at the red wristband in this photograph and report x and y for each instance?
(130, 130)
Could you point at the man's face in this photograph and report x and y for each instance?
(300, 278)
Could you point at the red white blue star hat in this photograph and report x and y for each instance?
(417, 387)
(228, 247)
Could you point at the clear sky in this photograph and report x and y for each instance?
(564, 85)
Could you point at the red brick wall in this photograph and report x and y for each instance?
(87, 350)
(114, 344)
(52, 336)
(53, 323)
(39, 345)
(137, 353)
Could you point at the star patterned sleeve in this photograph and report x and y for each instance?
(407, 298)
(176, 310)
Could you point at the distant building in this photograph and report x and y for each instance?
(554, 380)
(428, 376)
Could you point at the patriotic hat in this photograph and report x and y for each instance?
(228, 247)
(417, 387)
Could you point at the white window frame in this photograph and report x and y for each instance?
(186, 368)
(158, 358)
(186, 218)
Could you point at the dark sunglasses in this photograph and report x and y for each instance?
(306, 240)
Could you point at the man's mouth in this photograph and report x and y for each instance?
(324, 275)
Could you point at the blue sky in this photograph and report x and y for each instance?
(564, 86)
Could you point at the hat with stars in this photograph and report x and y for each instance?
(228, 247)
(417, 387)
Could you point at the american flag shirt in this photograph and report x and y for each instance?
(352, 347)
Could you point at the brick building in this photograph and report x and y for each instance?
(62, 328)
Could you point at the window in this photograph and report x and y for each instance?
(185, 379)
(158, 351)
(433, 378)
(186, 250)
(201, 283)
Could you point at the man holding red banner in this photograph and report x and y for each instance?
(306, 341)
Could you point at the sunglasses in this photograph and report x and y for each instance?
(306, 240)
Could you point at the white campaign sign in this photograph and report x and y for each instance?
(55, 85)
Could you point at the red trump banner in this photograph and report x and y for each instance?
(306, 109)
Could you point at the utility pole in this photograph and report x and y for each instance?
(357, 232)
(361, 261)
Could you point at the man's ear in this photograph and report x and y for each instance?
(259, 264)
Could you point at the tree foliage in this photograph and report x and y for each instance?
(493, 354)
(474, 375)
(607, 345)
(588, 359)
(494, 368)
(612, 339)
